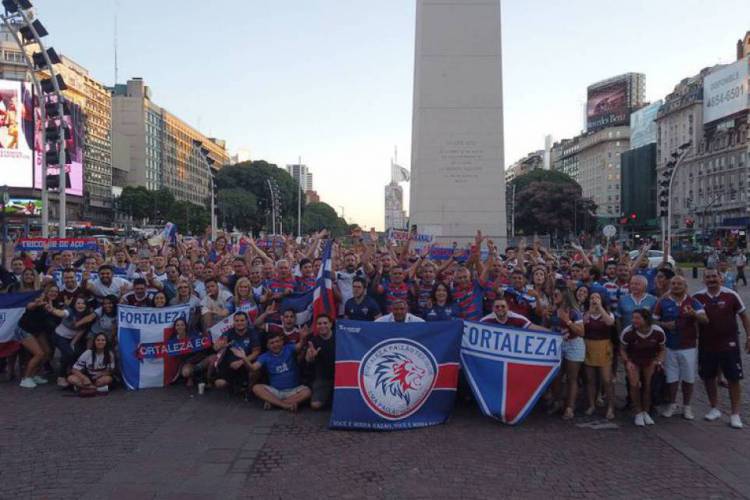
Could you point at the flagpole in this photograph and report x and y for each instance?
(299, 199)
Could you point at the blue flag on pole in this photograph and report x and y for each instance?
(393, 376)
(508, 368)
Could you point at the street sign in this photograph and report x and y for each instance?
(609, 231)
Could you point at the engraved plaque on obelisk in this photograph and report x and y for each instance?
(458, 178)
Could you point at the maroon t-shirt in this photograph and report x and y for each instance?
(640, 349)
(596, 328)
(720, 334)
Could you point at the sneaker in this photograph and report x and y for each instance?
(103, 389)
(38, 380)
(687, 413)
(647, 418)
(639, 421)
(735, 421)
(713, 414)
(27, 383)
(61, 382)
(669, 410)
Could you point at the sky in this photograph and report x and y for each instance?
(331, 81)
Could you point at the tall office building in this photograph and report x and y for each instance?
(155, 149)
(302, 175)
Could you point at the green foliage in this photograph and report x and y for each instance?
(238, 208)
(319, 216)
(136, 202)
(551, 202)
(190, 218)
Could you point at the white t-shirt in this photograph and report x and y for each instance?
(222, 301)
(410, 318)
(115, 288)
(94, 367)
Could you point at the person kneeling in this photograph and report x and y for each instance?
(238, 349)
(92, 373)
(280, 361)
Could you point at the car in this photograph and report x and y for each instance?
(655, 257)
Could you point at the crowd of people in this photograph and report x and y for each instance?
(612, 311)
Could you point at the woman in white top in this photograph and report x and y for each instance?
(92, 372)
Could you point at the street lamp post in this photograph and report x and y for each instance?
(208, 161)
(679, 156)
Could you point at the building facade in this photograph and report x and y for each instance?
(302, 175)
(395, 216)
(156, 149)
(593, 160)
(531, 161)
(95, 101)
(638, 191)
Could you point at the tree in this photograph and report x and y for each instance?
(253, 177)
(319, 216)
(190, 218)
(551, 202)
(136, 202)
(238, 207)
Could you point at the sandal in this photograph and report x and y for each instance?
(610, 414)
(568, 414)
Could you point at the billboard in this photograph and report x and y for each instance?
(643, 125)
(16, 132)
(725, 91)
(607, 105)
(73, 152)
(24, 206)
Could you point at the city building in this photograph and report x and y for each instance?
(593, 160)
(311, 197)
(302, 175)
(395, 216)
(241, 156)
(638, 171)
(95, 102)
(610, 102)
(156, 149)
(743, 46)
(531, 161)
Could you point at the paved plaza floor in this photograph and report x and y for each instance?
(172, 443)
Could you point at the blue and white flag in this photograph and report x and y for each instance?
(149, 354)
(392, 376)
(508, 368)
(302, 305)
(12, 307)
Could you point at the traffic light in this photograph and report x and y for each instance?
(689, 222)
(742, 239)
(633, 216)
(663, 183)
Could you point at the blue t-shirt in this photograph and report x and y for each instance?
(441, 313)
(364, 311)
(684, 334)
(650, 274)
(627, 304)
(281, 367)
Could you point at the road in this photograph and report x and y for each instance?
(173, 443)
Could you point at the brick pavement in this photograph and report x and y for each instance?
(172, 444)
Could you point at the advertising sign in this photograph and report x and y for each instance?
(73, 152)
(27, 207)
(16, 132)
(725, 91)
(643, 125)
(607, 106)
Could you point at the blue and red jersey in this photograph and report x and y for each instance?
(469, 301)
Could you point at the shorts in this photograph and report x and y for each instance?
(598, 353)
(730, 363)
(574, 350)
(322, 391)
(282, 394)
(681, 365)
(22, 334)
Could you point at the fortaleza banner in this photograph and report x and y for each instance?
(150, 354)
(508, 369)
(392, 376)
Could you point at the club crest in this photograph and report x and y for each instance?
(396, 377)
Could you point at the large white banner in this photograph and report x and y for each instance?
(725, 91)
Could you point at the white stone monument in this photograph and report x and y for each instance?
(458, 178)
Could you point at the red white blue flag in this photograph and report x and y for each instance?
(508, 368)
(323, 299)
(392, 376)
(12, 307)
(149, 353)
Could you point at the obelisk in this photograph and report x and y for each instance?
(458, 177)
